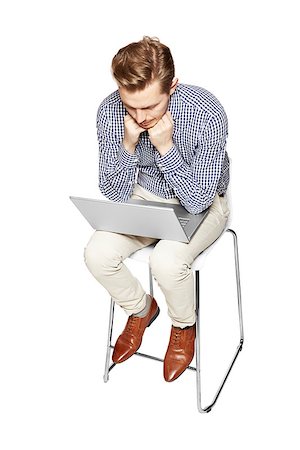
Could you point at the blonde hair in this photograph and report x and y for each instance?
(138, 64)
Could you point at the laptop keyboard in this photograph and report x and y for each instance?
(183, 221)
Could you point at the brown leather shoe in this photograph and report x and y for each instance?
(180, 351)
(130, 339)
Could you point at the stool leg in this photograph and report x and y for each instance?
(239, 348)
(150, 282)
(198, 377)
(197, 301)
(238, 283)
(109, 336)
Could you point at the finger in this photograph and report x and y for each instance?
(137, 126)
(169, 116)
(127, 118)
(167, 121)
(140, 129)
(130, 120)
(157, 127)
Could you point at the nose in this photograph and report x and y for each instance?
(140, 116)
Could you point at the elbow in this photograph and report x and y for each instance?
(112, 193)
(195, 209)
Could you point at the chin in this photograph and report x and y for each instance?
(149, 125)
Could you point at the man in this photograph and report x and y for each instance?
(159, 141)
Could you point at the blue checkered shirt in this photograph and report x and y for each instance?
(193, 170)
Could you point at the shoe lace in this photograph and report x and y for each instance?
(176, 336)
(131, 323)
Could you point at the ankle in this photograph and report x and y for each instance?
(146, 309)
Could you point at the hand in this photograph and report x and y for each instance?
(131, 134)
(161, 134)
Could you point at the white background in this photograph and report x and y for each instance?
(55, 70)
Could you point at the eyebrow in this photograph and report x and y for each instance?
(147, 107)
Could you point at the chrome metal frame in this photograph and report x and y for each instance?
(208, 408)
(201, 409)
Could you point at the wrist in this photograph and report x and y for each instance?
(163, 149)
(129, 147)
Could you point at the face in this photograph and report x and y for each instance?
(148, 106)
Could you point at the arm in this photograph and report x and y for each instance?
(117, 166)
(195, 184)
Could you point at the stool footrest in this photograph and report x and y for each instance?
(145, 355)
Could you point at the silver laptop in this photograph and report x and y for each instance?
(140, 218)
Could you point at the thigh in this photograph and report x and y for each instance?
(209, 230)
(211, 227)
(122, 245)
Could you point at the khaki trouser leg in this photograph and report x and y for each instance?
(104, 256)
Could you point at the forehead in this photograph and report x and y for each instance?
(149, 96)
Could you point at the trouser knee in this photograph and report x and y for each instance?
(100, 259)
(167, 268)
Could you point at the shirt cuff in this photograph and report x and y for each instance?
(171, 161)
(127, 160)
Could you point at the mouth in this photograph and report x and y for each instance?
(147, 125)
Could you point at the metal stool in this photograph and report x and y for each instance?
(143, 256)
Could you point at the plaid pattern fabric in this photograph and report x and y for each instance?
(193, 170)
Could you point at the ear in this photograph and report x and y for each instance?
(173, 85)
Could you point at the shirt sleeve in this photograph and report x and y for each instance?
(195, 184)
(117, 167)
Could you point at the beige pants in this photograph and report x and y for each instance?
(170, 262)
